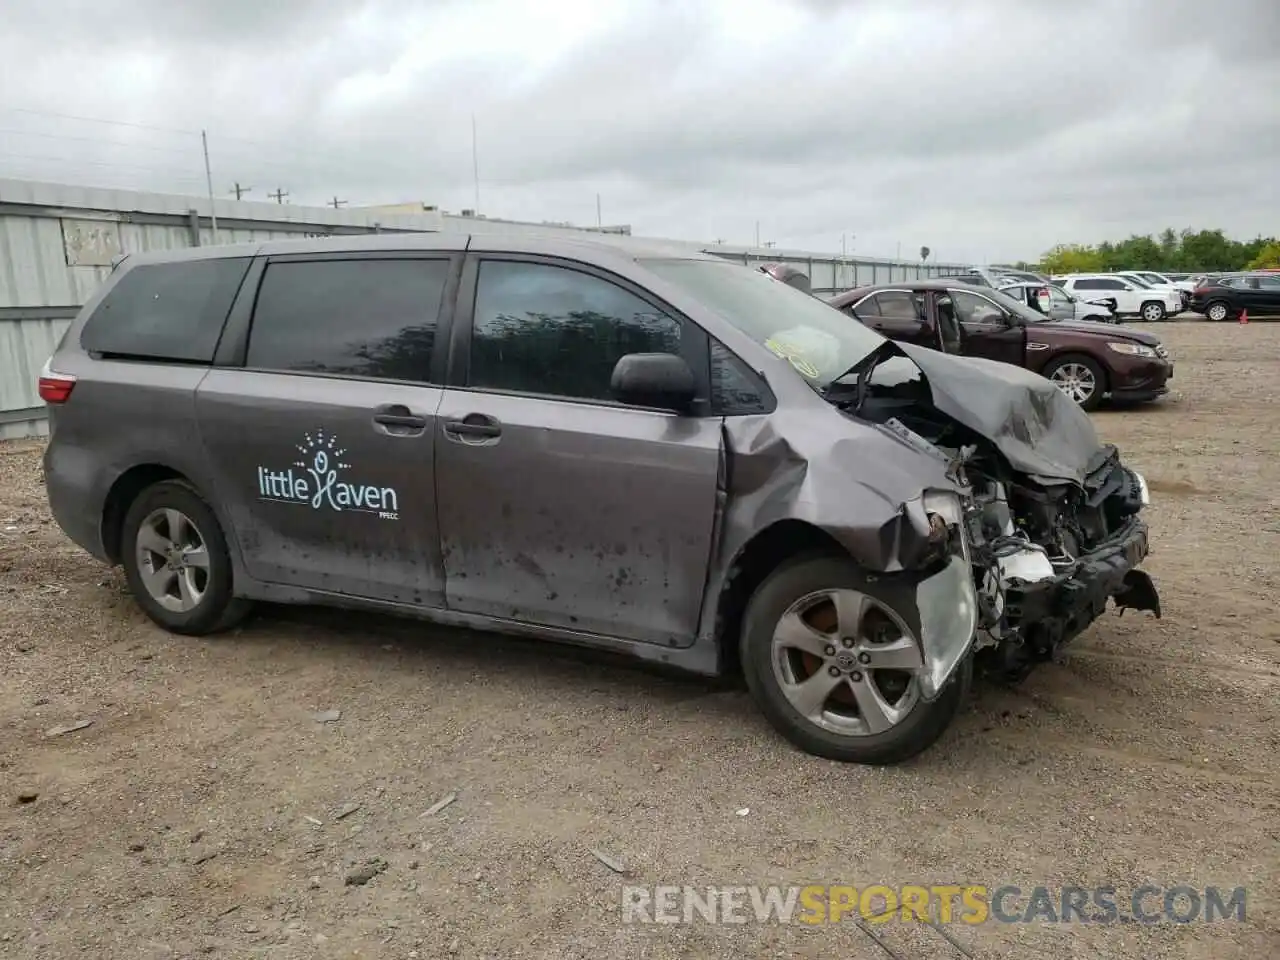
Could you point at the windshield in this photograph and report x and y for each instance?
(1134, 278)
(1153, 278)
(819, 341)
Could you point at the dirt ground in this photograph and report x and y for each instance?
(197, 814)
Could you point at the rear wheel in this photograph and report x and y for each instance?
(1217, 311)
(833, 660)
(176, 561)
(1152, 311)
(1080, 378)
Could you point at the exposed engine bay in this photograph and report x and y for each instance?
(1046, 552)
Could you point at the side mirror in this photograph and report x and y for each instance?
(1129, 288)
(661, 380)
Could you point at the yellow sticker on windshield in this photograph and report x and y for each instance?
(793, 355)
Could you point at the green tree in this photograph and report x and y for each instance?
(1071, 258)
(1173, 251)
(1267, 257)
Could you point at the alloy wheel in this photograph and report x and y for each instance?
(1076, 381)
(1217, 311)
(847, 663)
(173, 560)
(1152, 312)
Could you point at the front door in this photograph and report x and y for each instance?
(1060, 305)
(986, 330)
(559, 506)
(322, 444)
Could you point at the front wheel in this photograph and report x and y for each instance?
(1153, 312)
(1217, 311)
(176, 561)
(1080, 378)
(833, 659)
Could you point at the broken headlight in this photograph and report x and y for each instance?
(947, 601)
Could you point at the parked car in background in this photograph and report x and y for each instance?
(1133, 299)
(1225, 298)
(1057, 304)
(1159, 283)
(996, 277)
(1181, 281)
(1087, 361)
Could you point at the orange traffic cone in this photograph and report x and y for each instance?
(1244, 316)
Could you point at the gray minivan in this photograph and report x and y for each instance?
(607, 443)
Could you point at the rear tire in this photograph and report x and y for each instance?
(1153, 312)
(1217, 311)
(176, 561)
(896, 723)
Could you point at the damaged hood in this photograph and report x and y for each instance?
(1037, 427)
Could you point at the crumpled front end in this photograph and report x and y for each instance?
(896, 508)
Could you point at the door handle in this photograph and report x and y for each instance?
(398, 415)
(473, 425)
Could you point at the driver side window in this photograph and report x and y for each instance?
(971, 308)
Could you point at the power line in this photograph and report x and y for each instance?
(114, 123)
(95, 140)
(181, 174)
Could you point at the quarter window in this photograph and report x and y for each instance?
(555, 331)
(362, 317)
(166, 311)
(735, 390)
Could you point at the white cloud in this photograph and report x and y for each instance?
(985, 130)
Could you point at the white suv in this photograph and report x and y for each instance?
(1132, 299)
(1155, 279)
(1156, 282)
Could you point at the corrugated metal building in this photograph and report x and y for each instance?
(57, 242)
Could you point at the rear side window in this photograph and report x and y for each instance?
(166, 311)
(357, 318)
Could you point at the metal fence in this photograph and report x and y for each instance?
(57, 243)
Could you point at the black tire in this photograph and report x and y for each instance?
(1156, 310)
(218, 609)
(1099, 376)
(1220, 306)
(789, 583)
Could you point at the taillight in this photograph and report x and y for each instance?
(1202, 290)
(55, 387)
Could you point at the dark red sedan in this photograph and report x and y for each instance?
(1088, 361)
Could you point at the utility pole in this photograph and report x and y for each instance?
(599, 222)
(208, 182)
(279, 195)
(240, 191)
(757, 233)
(336, 203)
(475, 162)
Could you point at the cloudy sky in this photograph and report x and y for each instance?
(987, 130)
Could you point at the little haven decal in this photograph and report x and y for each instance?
(316, 480)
